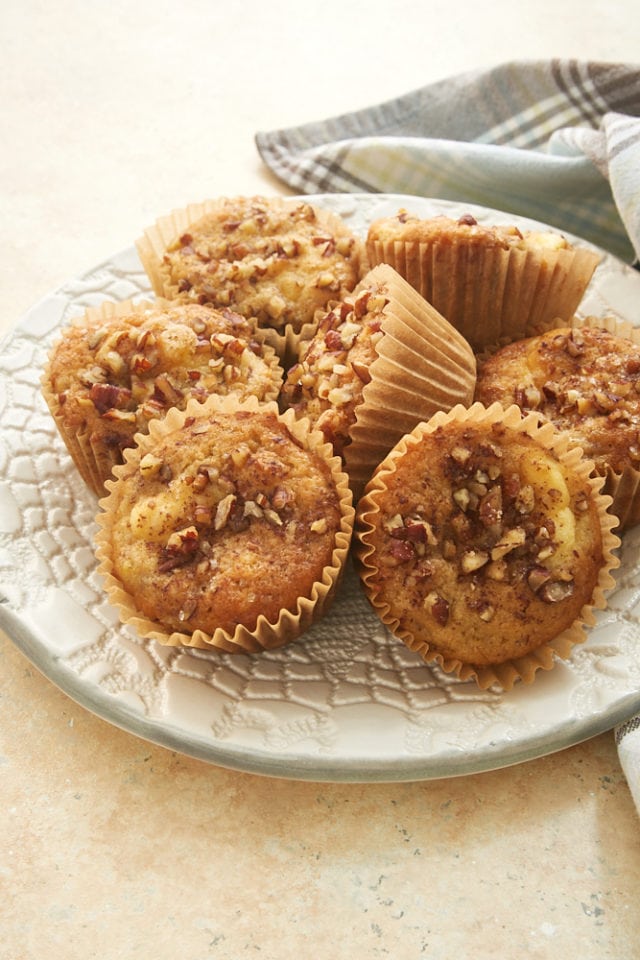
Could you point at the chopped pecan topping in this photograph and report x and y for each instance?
(528, 397)
(486, 611)
(401, 551)
(537, 577)
(180, 548)
(223, 511)
(107, 396)
(575, 344)
(438, 607)
(490, 507)
(188, 609)
(281, 498)
(510, 540)
(251, 509)
(461, 455)
(473, 560)
(556, 591)
(202, 515)
(361, 371)
(150, 465)
(124, 416)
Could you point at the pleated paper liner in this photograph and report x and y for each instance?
(156, 239)
(423, 365)
(93, 461)
(91, 452)
(503, 675)
(488, 293)
(266, 634)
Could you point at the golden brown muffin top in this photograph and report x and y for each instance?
(223, 519)
(112, 375)
(465, 230)
(276, 260)
(585, 380)
(486, 545)
(326, 384)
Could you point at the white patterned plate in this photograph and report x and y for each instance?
(345, 703)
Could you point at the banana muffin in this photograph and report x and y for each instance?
(585, 379)
(227, 526)
(493, 283)
(484, 542)
(274, 259)
(122, 365)
(381, 360)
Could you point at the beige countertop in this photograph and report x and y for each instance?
(112, 847)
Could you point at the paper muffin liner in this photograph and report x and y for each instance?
(488, 293)
(93, 462)
(158, 237)
(623, 487)
(423, 365)
(93, 458)
(524, 669)
(291, 623)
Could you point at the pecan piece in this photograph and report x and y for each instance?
(223, 511)
(473, 560)
(490, 507)
(188, 609)
(509, 541)
(537, 577)
(361, 371)
(438, 607)
(180, 548)
(107, 396)
(556, 591)
(401, 551)
(150, 465)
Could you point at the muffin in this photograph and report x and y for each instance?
(381, 360)
(274, 259)
(484, 544)
(122, 365)
(227, 527)
(585, 379)
(493, 283)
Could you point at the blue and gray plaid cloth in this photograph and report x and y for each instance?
(557, 141)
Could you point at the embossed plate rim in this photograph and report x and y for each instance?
(304, 768)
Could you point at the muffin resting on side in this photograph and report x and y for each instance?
(381, 360)
(228, 526)
(585, 379)
(484, 543)
(271, 258)
(327, 383)
(122, 365)
(493, 283)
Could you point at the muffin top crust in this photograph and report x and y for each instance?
(327, 383)
(585, 380)
(110, 375)
(465, 229)
(480, 543)
(222, 519)
(273, 259)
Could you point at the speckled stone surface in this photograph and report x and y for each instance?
(113, 848)
(116, 848)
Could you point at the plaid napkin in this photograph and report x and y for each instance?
(557, 141)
